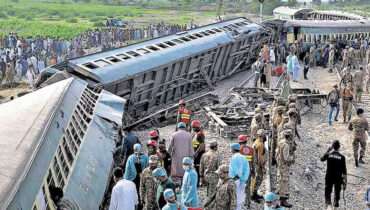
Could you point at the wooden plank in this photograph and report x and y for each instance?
(213, 115)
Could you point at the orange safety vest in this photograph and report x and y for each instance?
(248, 152)
(185, 115)
(195, 139)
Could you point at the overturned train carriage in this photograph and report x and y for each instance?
(61, 135)
(160, 71)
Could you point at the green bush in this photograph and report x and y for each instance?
(11, 13)
(72, 20)
(99, 24)
(3, 16)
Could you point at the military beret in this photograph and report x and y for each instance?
(222, 168)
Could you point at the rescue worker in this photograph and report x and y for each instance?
(148, 188)
(271, 202)
(225, 195)
(336, 174)
(333, 101)
(346, 78)
(164, 182)
(358, 83)
(9, 73)
(172, 203)
(347, 94)
(345, 57)
(209, 163)
(239, 170)
(154, 135)
(181, 145)
(189, 193)
(152, 149)
(184, 114)
(331, 59)
(257, 126)
(259, 164)
(199, 143)
(278, 118)
(285, 159)
(248, 152)
(359, 126)
(136, 163)
(166, 157)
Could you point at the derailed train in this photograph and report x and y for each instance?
(156, 72)
(62, 135)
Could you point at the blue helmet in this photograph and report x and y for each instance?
(235, 146)
(270, 197)
(168, 193)
(181, 125)
(159, 172)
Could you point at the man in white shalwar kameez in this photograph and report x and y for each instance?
(124, 195)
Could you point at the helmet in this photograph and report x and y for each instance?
(153, 134)
(195, 123)
(270, 197)
(182, 102)
(242, 138)
(151, 143)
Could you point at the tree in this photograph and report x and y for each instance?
(291, 3)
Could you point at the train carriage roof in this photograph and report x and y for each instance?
(22, 125)
(290, 11)
(320, 23)
(339, 13)
(136, 64)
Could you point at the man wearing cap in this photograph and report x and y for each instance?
(198, 143)
(358, 83)
(225, 195)
(172, 204)
(136, 163)
(189, 193)
(164, 182)
(359, 126)
(184, 114)
(259, 163)
(347, 98)
(257, 126)
(270, 202)
(239, 170)
(152, 149)
(278, 118)
(346, 78)
(148, 187)
(336, 174)
(285, 158)
(248, 152)
(209, 163)
(256, 111)
(166, 157)
(124, 194)
(181, 145)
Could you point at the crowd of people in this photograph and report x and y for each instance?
(26, 57)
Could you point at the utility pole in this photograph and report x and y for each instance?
(261, 3)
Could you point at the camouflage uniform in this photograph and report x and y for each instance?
(148, 190)
(278, 118)
(285, 158)
(225, 195)
(313, 56)
(282, 53)
(259, 161)
(368, 56)
(351, 55)
(358, 126)
(347, 102)
(362, 51)
(358, 83)
(331, 59)
(345, 58)
(346, 78)
(9, 74)
(368, 77)
(209, 163)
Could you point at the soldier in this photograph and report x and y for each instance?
(333, 101)
(285, 159)
(259, 164)
(346, 78)
(199, 144)
(351, 56)
(331, 59)
(209, 163)
(347, 94)
(294, 47)
(248, 152)
(225, 195)
(368, 56)
(359, 126)
(278, 118)
(9, 73)
(345, 57)
(268, 68)
(281, 127)
(368, 78)
(362, 51)
(256, 126)
(292, 123)
(282, 53)
(184, 114)
(258, 110)
(148, 188)
(358, 83)
(313, 56)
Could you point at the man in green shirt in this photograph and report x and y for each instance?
(164, 182)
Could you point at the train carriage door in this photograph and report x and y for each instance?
(297, 34)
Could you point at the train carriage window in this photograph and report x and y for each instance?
(217, 30)
(152, 48)
(191, 37)
(143, 51)
(161, 45)
(204, 33)
(211, 32)
(198, 35)
(170, 43)
(228, 28)
(90, 66)
(113, 59)
(133, 53)
(185, 39)
(102, 63)
(123, 56)
(177, 41)
(222, 29)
